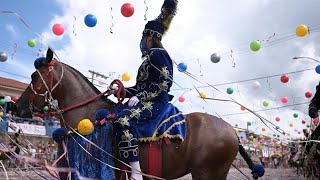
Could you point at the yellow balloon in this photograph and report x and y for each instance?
(203, 95)
(125, 77)
(291, 125)
(302, 30)
(85, 127)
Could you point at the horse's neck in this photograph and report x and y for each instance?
(74, 91)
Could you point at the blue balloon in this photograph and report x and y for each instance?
(318, 69)
(182, 67)
(277, 127)
(90, 20)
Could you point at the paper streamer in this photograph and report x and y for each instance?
(231, 55)
(74, 25)
(14, 50)
(111, 21)
(145, 13)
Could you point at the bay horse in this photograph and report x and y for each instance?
(207, 152)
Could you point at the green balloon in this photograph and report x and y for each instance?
(295, 115)
(251, 137)
(249, 123)
(46, 108)
(255, 45)
(32, 43)
(229, 90)
(265, 103)
(2, 101)
(278, 135)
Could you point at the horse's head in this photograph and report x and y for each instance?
(43, 87)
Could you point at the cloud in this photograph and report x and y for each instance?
(12, 29)
(200, 29)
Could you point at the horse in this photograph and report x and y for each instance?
(207, 152)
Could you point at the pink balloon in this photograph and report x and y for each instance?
(316, 120)
(284, 100)
(181, 99)
(58, 29)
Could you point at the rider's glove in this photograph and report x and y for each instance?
(133, 101)
(257, 170)
(113, 88)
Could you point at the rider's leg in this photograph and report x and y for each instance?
(128, 147)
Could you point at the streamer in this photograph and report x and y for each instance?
(14, 50)
(233, 60)
(145, 13)
(73, 26)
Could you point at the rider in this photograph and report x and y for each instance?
(150, 94)
(314, 106)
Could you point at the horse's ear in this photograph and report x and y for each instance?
(49, 56)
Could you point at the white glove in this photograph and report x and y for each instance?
(133, 101)
(113, 88)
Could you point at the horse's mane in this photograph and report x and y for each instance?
(89, 83)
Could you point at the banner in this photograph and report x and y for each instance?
(27, 128)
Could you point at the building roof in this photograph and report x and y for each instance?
(12, 83)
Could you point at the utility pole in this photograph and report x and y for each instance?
(96, 74)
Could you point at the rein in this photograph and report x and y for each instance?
(120, 94)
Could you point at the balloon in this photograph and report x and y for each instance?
(251, 137)
(284, 99)
(295, 115)
(127, 10)
(256, 85)
(125, 77)
(318, 69)
(58, 29)
(255, 45)
(203, 95)
(277, 127)
(283, 133)
(284, 78)
(242, 108)
(249, 123)
(2, 102)
(265, 103)
(85, 127)
(215, 58)
(3, 57)
(7, 99)
(90, 20)
(45, 108)
(14, 98)
(308, 94)
(182, 67)
(236, 125)
(229, 90)
(316, 120)
(181, 99)
(303, 121)
(277, 119)
(299, 132)
(237, 131)
(308, 126)
(291, 125)
(302, 30)
(32, 43)
(263, 129)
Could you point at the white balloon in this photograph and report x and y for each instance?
(7, 99)
(256, 85)
(215, 58)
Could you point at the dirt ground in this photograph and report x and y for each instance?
(271, 174)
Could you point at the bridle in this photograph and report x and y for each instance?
(47, 82)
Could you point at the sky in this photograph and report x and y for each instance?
(200, 28)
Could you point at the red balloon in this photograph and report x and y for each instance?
(284, 100)
(263, 129)
(299, 132)
(58, 29)
(284, 78)
(242, 108)
(283, 133)
(277, 119)
(14, 98)
(181, 99)
(303, 121)
(316, 120)
(308, 94)
(127, 10)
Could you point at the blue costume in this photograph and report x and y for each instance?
(153, 117)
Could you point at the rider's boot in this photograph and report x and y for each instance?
(136, 170)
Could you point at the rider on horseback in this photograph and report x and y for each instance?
(150, 94)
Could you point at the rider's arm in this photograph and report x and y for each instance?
(314, 105)
(131, 91)
(160, 73)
